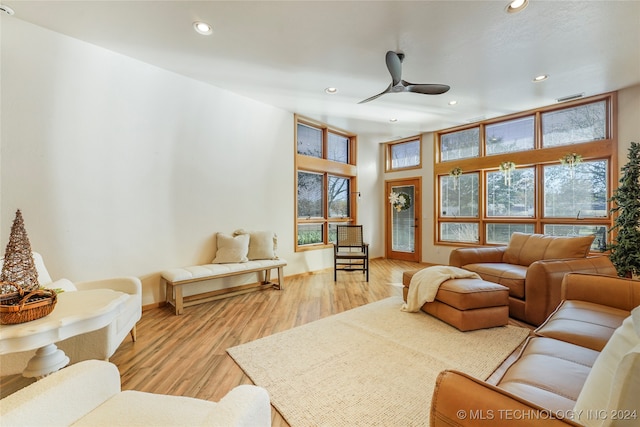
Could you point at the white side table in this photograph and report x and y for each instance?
(75, 313)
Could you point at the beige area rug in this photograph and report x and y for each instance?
(371, 366)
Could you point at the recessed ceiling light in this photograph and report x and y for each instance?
(516, 6)
(331, 90)
(203, 28)
(454, 102)
(393, 120)
(541, 77)
(6, 9)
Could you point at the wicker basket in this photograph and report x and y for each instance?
(25, 307)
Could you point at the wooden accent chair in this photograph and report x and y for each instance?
(350, 253)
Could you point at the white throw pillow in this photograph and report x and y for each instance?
(609, 396)
(231, 249)
(262, 244)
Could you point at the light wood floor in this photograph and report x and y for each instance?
(186, 355)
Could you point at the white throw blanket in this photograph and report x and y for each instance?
(426, 282)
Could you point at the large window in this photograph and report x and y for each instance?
(543, 171)
(326, 191)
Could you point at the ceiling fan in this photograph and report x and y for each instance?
(394, 64)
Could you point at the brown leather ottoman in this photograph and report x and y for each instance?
(467, 304)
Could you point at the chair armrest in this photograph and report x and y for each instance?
(612, 291)
(63, 397)
(463, 256)
(245, 405)
(129, 285)
(543, 282)
(461, 400)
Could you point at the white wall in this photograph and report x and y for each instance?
(628, 131)
(122, 168)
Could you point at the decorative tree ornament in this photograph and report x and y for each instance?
(506, 168)
(19, 267)
(455, 173)
(626, 210)
(571, 161)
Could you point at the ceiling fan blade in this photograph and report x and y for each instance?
(426, 89)
(387, 90)
(394, 65)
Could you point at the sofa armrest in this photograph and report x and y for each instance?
(129, 285)
(244, 406)
(461, 400)
(612, 291)
(63, 397)
(543, 282)
(463, 256)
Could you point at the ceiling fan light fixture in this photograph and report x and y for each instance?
(516, 6)
(203, 28)
(394, 65)
(540, 78)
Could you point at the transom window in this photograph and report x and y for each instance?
(325, 183)
(403, 154)
(544, 171)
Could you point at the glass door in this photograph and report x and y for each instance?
(403, 219)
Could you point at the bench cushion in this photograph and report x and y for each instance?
(214, 270)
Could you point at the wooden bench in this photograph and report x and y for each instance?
(177, 278)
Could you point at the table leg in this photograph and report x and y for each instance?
(47, 360)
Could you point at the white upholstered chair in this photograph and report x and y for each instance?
(89, 394)
(100, 344)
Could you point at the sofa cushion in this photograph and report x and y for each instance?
(510, 275)
(525, 249)
(549, 373)
(262, 244)
(136, 408)
(231, 249)
(613, 386)
(583, 323)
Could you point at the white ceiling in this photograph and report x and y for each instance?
(285, 53)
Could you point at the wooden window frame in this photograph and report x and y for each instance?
(604, 149)
(387, 154)
(325, 167)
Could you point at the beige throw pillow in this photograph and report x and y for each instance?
(262, 244)
(231, 249)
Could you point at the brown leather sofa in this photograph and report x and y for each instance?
(541, 387)
(532, 267)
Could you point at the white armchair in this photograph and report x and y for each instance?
(89, 394)
(100, 344)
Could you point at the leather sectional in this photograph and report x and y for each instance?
(580, 367)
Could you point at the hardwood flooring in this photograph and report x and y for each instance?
(186, 355)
